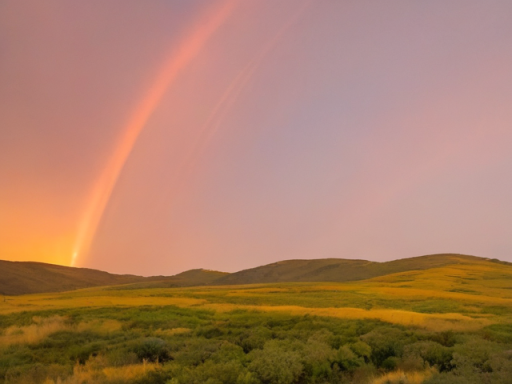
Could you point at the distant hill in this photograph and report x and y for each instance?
(193, 277)
(18, 278)
(338, 270)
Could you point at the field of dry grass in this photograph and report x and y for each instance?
(470, 297)
(463, 297)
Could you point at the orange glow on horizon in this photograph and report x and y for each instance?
(186, 52)
(159, 137)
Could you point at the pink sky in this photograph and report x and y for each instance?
(154, 137)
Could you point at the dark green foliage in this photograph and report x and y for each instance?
(278, 362)
(447, 338)
(152, 349)
(347, 359)
(195, 351)
(362, 350)
(433, 353)
(477, 361)
(209, 332)
(386, 342)
(254, 338)
(249, 347)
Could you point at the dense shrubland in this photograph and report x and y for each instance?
(444, 325)
(167, 344)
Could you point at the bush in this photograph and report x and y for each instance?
(254, 338)
(317, 358)
(347, 360)
(276, 363)
(391, 363)
(362, 349)
(435, 354)
(385, 342)
(152, 349)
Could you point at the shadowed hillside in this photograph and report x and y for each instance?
(449, 324)
(193, 277)
(18, 278)
(338, 270)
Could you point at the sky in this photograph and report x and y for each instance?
(155, 137)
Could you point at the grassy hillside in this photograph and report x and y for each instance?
(190, 278)
(338, 269)
(28, 277)
(17, 278)
(440, 325)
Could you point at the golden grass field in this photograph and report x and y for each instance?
(464, 298)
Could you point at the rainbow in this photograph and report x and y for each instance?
(189, 49)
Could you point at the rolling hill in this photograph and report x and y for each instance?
(451, 315)
(18, 278)
(338, 270)
(190, 278)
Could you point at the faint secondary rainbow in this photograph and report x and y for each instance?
(226, 102)
(186, 52)
(231, 94)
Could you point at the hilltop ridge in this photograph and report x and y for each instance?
(339, 270)
(17, 278)
(21, 277)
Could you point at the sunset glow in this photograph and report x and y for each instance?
(186, 52)
(155, 137)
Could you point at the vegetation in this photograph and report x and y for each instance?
(19, 278)
(339, 269)
(397, 328)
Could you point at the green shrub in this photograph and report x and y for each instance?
(362, 349)
(152, 349)
(254, 338)
(276, 363)
(385, 342)
(435, 354)
(391, 363)
(347, 360)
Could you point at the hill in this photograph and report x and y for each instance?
(338, 270)
(435, 324)
(190, 278)
(18, 278)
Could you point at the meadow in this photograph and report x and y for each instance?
(451, 324)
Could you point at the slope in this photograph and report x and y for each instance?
(338, 270)
(190, 278)
(18, 278)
